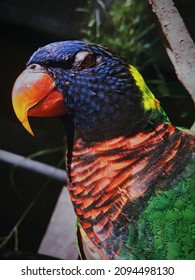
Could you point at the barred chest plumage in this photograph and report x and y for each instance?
(108, 178)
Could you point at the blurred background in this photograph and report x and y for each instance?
(126, 26)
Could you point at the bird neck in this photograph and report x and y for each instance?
(107, 178)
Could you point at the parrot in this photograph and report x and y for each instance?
(131, 175)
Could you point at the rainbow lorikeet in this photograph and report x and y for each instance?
(131, 177)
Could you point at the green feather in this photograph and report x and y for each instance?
(166, 228)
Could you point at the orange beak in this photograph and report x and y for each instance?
(34, 94)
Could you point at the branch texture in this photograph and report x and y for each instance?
(34, 166)
(179, 45)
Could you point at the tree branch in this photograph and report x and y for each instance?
(178, 43)
(35, 166)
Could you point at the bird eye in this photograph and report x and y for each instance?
(87, 61)
(84, 60)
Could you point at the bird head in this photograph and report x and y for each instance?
(88, 82)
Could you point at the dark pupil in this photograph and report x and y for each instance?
(88, 60)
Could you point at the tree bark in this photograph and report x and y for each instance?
(178, 43)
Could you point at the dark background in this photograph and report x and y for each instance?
(24, 27)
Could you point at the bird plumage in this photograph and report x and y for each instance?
(130, 171)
